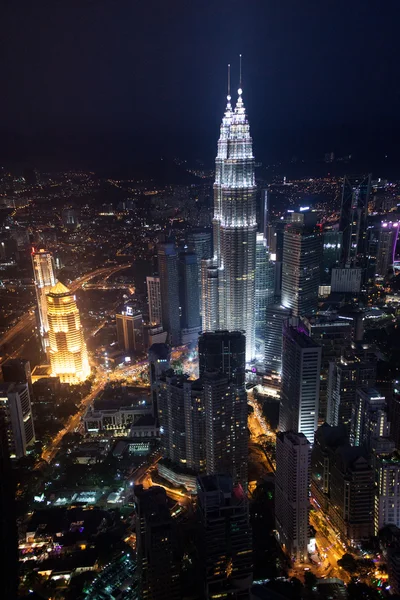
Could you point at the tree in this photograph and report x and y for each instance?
(310, 580)
(348, 563)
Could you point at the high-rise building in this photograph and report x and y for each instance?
(332, 251)
(18, 370)
(387, 242)
(209, 295)
(15, 406)
(155, 545)
(265, 292)
(45, 279)
(169, 285)
(130, 329)
(333, 334)
(222, 371)
(369, 419)
(200, 242)
(275, 316)
(352, 494)
(182, 421)
(292, 485)
(387, 498)
(154, 300)
(67, 347)
(301, 269)
(8, 519)
(343, 483)
(263, 218)
(225, 537)
(355, 368)
(234, 224)
(159, 362)
(301, 369)
(189, 290)
(353, 220)
(326, 440)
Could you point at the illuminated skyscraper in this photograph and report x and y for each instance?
(353, 219)
(209, 295)
(200, 242)
(169, 285)
(16, 413)
(292, 486)
(235, 225)
(67, 349)
(301, 269)
(154, 300)
(265, 292)
(301, 369)
(130, 328)
(45, 279)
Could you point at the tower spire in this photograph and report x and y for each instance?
(229, 82)
(240, 71)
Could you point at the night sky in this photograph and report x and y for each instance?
(115, 80)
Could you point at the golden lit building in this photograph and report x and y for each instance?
(68, 353)
(45, 279)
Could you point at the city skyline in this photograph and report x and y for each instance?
(200, 363)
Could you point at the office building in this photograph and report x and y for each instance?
(301, 368)
(67, 347)
(189, 292)
(234, 224)
(209, 295)
(45, 278)
(181, 416)
(275, 316)
(301, 269)
(387, 243)
(331, 254)
(326, 441)
(369, 419)
(130, 329)
(346, 280)
(393, 568)
(342, 482)
(264, 294)
(153, 335)
(8, 519)
(333, 334)
(263, 216)
(223, 374)
(70, 217)
(387, 497)
(224, 352)
(353, 220)
(200, 242)
(16, 414)
(352, 494)
(154, 300)
(292, 485)
(394, 413)
(155, 545)
(18, 370)
(169, 286)
(354, 369)
(159, 361)
(225, 537)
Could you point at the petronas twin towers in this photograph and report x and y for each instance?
(228, 280)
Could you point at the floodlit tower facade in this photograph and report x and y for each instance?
(68, 353)
(234, 224)
(45, 279)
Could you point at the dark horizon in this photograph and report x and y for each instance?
(99, 85)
